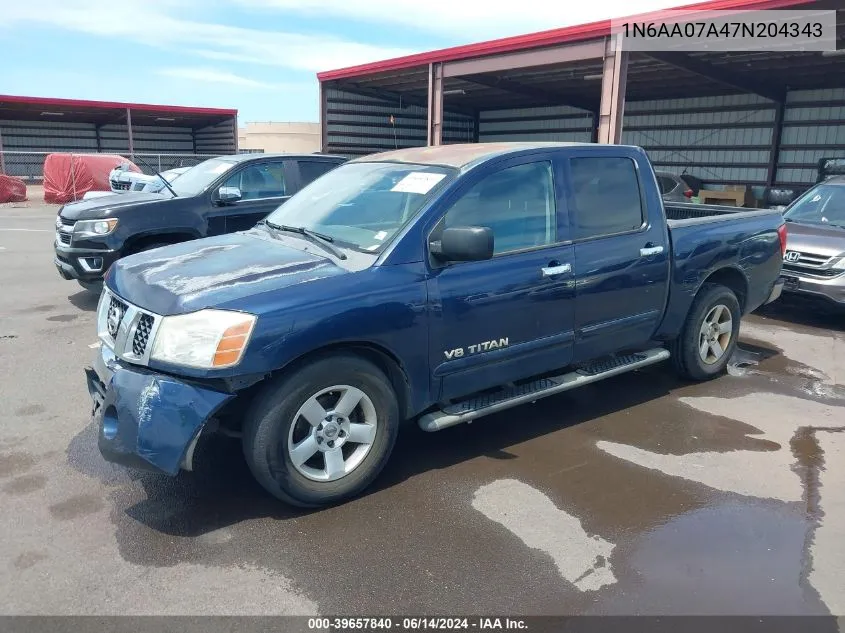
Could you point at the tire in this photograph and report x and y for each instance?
(275, 426)
(687, 355)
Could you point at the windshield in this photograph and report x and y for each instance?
(199, 177)
(824, 204)
(362, 205)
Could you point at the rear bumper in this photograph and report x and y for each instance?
(81, 263)
(146, 420)
(777, 290)
(831, 290)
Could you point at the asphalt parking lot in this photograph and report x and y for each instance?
(638, 495)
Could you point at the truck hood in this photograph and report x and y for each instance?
(815, 238)
(97, 208)
(216, 272)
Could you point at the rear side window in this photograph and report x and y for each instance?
(310, 170)
(604, 197)
(666, 184)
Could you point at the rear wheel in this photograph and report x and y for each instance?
(322, 434)
(710, 333)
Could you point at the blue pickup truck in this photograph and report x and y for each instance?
(433, 284)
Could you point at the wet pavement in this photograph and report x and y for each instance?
(642, 494)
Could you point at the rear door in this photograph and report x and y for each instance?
(509, 317)
(621, 251)
(263, 186)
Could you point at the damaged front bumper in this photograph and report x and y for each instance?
(147, 420)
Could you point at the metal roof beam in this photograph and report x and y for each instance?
(397, 98)
(720, 75)
(547, 97)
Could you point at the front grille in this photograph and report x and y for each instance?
(807, 260)
(64, 238)
(130, 330)
(142, 334)
(66, 222)
(119, 186)
(119, 305)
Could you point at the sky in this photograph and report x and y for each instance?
(259, 56)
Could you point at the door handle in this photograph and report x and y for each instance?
(648, 251)
(559, 269)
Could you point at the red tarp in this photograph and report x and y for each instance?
(12, 189)
(68, 177)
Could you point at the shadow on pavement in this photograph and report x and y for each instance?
(809, 312)
(85, 300)
(222, 492)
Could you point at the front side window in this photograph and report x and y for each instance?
(604, 197)
(363, 205)
(517, 203)
(824, 204)
(261, 180)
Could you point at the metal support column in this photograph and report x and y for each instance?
(324, 119)
(235, 133)
(2, 157)
(435, 104)
(98, 137)
(613, 85)
(774, 152)
(129, 134)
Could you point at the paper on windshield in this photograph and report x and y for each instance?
(418, 182)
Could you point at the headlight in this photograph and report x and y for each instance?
(840, 265)
(88, 228)
(208, 339)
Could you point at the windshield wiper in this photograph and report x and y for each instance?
(319, 238)
(163, 179)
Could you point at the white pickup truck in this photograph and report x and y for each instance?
(121, 180)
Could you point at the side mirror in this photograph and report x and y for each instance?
(228, 194)
(464, 244)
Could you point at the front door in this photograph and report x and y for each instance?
(499, 320)
(263, 188)
(621, 254)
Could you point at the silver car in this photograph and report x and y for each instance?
(672, 187)
(814, 261)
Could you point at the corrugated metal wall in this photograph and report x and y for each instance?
(359, 125)
(552, 123)
(814, 128)
(48, 136)
(217, 139)
(721, 140)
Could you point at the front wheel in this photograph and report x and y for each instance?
(322, 434)
(710, 334)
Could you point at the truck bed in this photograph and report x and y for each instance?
(680, 214)
(708, 237)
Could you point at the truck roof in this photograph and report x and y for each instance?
(461, 155)
(239, 158)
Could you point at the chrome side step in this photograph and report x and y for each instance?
(507, 397)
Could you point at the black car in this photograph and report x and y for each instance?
(220, 195)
